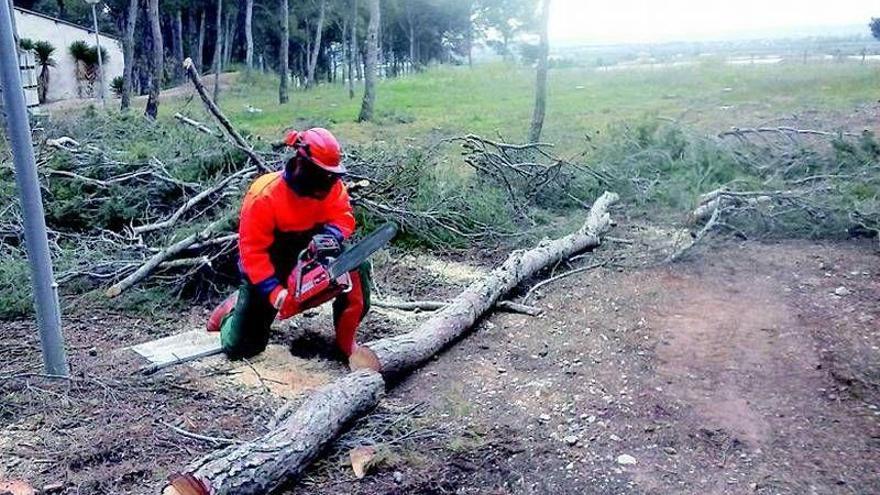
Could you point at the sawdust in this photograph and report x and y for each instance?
(277, 371)
(449, 271)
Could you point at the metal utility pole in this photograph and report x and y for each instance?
(19, 131)
(98, 46)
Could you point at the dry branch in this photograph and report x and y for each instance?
(165, 254)
(783, 131)
(569, 273)
(212, 107)
(194, 123)
(508, 306)
(396, 355)
(198, 198)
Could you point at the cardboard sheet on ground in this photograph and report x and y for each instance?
(181, 347)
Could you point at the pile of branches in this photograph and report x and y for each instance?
(802, 182)
(529, 173)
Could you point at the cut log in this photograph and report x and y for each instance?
(393, 356)
(262, 465)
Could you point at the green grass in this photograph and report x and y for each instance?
(493, 99)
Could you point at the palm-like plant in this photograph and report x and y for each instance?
(44, 50)
(86, 58)
(26, 44)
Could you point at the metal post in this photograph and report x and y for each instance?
(19, 131)
(100, 58)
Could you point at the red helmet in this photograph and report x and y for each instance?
(319, 146)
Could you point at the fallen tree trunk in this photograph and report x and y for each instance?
(262, 465)
(395, 355)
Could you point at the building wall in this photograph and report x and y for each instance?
(62, 78)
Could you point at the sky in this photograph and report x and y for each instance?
(621, 21)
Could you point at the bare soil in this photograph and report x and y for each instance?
(751, 368)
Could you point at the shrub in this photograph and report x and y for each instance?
(116, 85)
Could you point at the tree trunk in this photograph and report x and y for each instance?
(316, 46)
(369, 101)
(412, 46)
(228, 39)
(352, 48)
(355, 52)
(412, 37)
(200, 49)
(128, 59)
(218, 46)
(541, 82)
(178, 44)
(470, 35)
(283, 54)
(43, 84)
(396, 355)
(249, 33)
(262, 465)
(190, 35)
(345, 46)
(152, 109)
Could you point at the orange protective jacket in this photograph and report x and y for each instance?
(276, 224)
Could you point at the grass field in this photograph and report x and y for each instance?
(492, 99)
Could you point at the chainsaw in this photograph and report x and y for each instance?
(319, 277)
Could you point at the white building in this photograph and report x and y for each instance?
(63, 82)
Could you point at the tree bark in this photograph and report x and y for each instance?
(395, 355)
(283, 54)
(369, 101)
(218, 46)
(152, 109)
(178, 43)
(249, 34)
(265, 463)
(128, 59)
(200, 49)
(316, 46)
(541, 78)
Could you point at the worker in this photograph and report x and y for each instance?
(283, 213)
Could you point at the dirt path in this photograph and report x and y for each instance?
(752, 369)
(715, 376)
